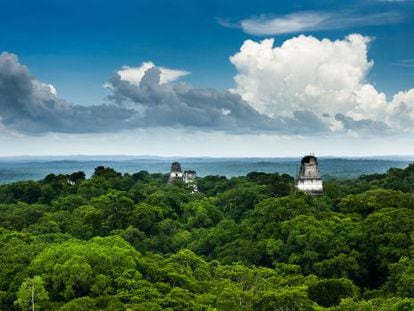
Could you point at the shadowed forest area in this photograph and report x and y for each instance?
(132, 242)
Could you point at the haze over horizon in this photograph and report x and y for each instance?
(192, 78)
(121, 157)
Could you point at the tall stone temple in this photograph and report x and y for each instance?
(309, 179)
(175, 173)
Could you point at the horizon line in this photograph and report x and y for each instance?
(202, 156)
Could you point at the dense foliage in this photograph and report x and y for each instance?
(133, 242)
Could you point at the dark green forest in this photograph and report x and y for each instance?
(133, 242)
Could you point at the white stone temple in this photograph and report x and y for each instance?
(309, 179)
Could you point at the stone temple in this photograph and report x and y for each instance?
(175, 173)
(189, 176)
(309, 179)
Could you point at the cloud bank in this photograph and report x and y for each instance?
(32, 107)
(306, 86)
(182, 105)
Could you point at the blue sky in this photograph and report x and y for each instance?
(78, 45)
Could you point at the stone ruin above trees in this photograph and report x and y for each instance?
(188, 177)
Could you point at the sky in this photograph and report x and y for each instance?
(207, 78)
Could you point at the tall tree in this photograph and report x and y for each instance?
(32, 293)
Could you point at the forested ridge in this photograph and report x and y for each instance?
(132, 242)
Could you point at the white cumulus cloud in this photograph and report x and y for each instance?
(325, 77)
(402, 111)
